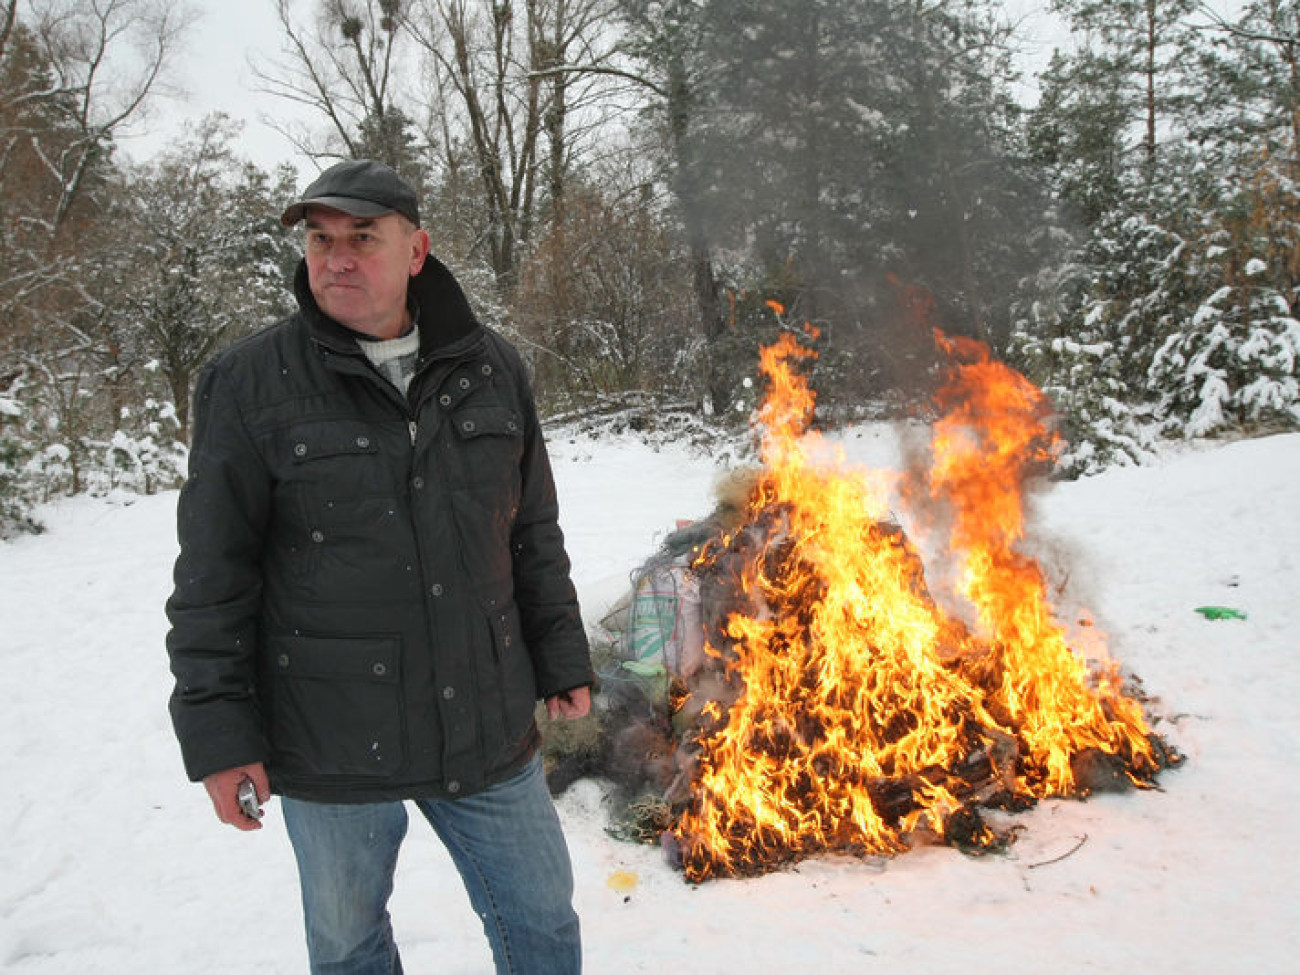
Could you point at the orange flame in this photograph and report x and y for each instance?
(862, 707)
(984, 447)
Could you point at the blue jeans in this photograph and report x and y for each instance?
(505, 841)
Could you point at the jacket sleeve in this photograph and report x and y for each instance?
(221, 516)
(544, 592)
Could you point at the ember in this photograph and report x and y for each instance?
(847, 711)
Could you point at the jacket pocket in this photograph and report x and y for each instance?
(308, 443)
(332, 486)
(336, 705)
(491, 441)
(514, 679)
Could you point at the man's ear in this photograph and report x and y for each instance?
(419, 250)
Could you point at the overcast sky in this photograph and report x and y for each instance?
(213, 74)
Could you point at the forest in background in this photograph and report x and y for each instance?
(641, 193)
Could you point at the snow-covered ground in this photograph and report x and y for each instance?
(111, 862)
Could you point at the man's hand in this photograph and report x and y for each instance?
(570, 704)
(223, 790)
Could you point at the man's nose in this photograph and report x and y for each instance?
(339, 259)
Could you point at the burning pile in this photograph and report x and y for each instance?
(864, 712)
(835, 705)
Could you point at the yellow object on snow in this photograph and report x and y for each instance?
(623, 881)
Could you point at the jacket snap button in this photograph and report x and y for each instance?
(464, 382)
(417, 483)
(468, 426)
(380, 670)
(453, 787)
(444, 399)
(436, 589)
(448, 693)
(363, 442)
(283, 660)
(487, 369)
(300, 450)
(512, 426)
(318, 536)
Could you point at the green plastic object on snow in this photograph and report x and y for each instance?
(1220, 613)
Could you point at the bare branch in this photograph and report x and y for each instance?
(304, 83)
(595, 69)
(1219, 23)
(8, 17)
(1057, 859)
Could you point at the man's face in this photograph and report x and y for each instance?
(358, 268)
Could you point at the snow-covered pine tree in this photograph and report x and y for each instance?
(18, 490)
(146, 454)
(1178, 304)
(1076, 336)
(1233, 363)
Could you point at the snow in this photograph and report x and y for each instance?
(113, 863)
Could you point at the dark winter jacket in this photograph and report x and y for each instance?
(372, 590)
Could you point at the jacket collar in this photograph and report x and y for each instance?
(447, 322)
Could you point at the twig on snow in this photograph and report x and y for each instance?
(1070, 852)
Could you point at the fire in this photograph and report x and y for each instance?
(863, 712)
(985, 445)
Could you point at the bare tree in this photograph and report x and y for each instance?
(524, 85)
(104, 58)
(604, 305)
(344, 67)
(70, 82)
(74, 74)
(497, 97)
(479, 55)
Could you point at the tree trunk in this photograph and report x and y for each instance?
(1151, 67)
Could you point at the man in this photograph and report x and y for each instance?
(372, 590)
